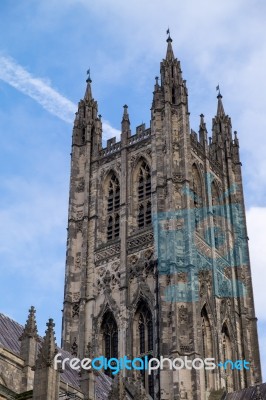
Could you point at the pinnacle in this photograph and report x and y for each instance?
(30, 328)
(125, 113)
(125, 120)
(169, 53)
(202, 122)
(48, 348)
(220, 107)
(88, 94)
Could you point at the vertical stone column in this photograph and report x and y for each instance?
(46, 378)
(28, 350)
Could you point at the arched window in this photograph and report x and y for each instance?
(227, 357)
(113, 204)
(217, 212)
(145, 342)
(197, 198)
(110, 338)
(207, 345)
(144, 196)
(173, 95)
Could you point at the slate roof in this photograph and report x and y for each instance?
(248, 394)
(10, 332)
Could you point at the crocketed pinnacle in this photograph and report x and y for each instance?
(30, 329)
(169, 53)
(88, 94)
(202, 122)
(220, 107)
(125, 114)
(48, 347)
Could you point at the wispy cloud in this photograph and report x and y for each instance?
(39, 90)
(52, 101)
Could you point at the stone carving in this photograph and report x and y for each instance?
(115, 265)
(133, 160)
(107, 252)
(79, 226)
(80, 214)
(175, 146)
(148, 152)
(76, 296)
(133, 259)
(183, 314)
(224, 287)
(74, 347)
(170, 317)
(205, 283)
(182, 277)
(80, 186)
(148, 254)
(228, 272)
(182, 392)
(107, 280)
(186, 344)
(225, 308)
(140, 241)
(78, 261)
(75, 310)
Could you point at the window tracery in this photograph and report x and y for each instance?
(144, 196)
(113, 204)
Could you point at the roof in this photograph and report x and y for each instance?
(248, 394)
(10, 332)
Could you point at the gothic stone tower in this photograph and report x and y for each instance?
(157, 258)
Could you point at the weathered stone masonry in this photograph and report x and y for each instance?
(116, 299)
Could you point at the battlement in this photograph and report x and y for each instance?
(112, 146)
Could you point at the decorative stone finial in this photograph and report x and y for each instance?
(30, 329)
(48, 348)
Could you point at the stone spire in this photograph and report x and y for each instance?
(173, 86)
(220, 107)
(203, 131)
(88, 93)
(125, 119)
(125, 124)
(169, 53)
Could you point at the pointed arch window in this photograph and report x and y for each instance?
(144, 196)
(110, 338)
(207, 345)
(113, 205)
(227, 355)
(197, 198)
(145, 342)
(217, 213)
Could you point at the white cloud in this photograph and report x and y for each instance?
(38, 89)
(109, 131)
(256, 222)
(41, 91)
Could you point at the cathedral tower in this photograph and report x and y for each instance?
(157, 255)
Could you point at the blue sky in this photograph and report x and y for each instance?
(46, 48)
